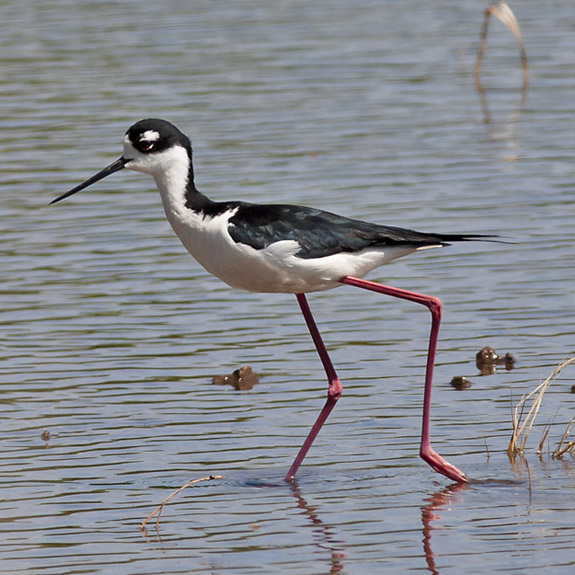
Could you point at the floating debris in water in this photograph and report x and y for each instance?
(487, 360)
(241, 379)
(509, 361)
(160, 508)
(459, 382)
(46, 436)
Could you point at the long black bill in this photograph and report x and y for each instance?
(115, 167)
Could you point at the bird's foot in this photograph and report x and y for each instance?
(442, 466)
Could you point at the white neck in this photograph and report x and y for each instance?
(171, 175)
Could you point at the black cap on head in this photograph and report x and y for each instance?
(156, 135)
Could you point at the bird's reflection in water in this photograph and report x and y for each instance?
(430, 513)
(323, 534)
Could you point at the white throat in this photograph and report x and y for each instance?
(170, 170)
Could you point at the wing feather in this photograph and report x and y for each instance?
(321, 233)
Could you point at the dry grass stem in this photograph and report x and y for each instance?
(543, 440)
(560, 450)
(160, 508)
(486, 446)
(502, 12)
(521, 429)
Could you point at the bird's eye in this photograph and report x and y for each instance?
(145, 145)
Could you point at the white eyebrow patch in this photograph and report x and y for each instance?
(150, 136)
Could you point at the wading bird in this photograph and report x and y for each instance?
(280, 248)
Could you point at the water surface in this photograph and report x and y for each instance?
(110, 333)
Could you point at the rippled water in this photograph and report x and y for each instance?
(110, 333)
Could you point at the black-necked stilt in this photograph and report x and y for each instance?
(280, 248)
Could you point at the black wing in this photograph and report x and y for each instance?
(320, 233)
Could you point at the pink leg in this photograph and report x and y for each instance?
(333, 392)
(434, 305)
(335, 388)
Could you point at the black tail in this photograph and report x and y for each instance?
(447, 239)
(392, 235)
